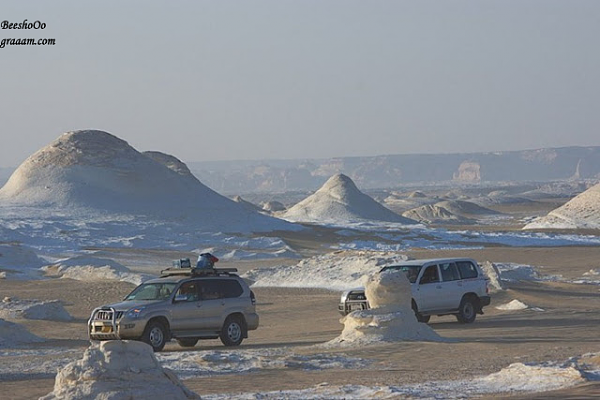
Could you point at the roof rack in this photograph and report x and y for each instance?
(197, 271)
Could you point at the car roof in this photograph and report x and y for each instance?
(431, 261)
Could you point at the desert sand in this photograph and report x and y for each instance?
(300, 320)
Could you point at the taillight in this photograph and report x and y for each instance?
(252, 298)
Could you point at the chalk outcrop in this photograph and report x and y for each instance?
(118, 370)
(93, 171)
(339, 200)
(581, 212)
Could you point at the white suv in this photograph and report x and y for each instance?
(439, 286)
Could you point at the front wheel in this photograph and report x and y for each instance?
(232, 332)
(155, 335)
(466, 311)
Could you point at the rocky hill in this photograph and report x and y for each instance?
(96, 171)
(339, 200)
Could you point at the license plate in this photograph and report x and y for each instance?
(106, 329)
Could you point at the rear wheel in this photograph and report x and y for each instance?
(155, 335)
(467, 311)
(187, 342)
(232, 332)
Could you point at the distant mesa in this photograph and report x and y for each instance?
(339, 200)
(581, 212)
(94, 170)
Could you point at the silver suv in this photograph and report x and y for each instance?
(185, 304)
(439, 286)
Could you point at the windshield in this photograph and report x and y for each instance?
(152, 291)
(411, 271)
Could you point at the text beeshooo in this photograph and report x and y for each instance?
(24, 41)
(23, 25)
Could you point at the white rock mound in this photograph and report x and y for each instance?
(91, 269)
(339, 200)
(15, 335)
(18, 260)
(581, 212)
(436, 214)
(52, 310)
(493, 274)
(118, 370)
(91, 170)
(390, 318)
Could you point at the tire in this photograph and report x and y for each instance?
(155, 335)
(467, 311)
(232, 332)
(187, 342)
(420, 317)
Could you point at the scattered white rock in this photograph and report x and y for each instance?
(118, 370)
(513, 305)
(338, 270)
(89, 268)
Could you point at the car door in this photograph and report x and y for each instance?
(212, 304)
(429, 289)
(452, 286)
(185, 311)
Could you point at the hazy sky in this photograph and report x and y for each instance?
(213, 80)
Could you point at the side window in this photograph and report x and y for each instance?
(189, 290)
(430, 275)
(211, 289)
(467, 269)
(449, 272)
(231, 288)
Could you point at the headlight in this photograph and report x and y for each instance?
(135, 312)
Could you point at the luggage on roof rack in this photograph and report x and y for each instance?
(197, 271)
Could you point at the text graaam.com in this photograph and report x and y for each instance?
(24, 41)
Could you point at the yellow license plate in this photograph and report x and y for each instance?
(106, 329)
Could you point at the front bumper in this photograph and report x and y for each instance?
(106, 323)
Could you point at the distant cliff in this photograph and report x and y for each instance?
(395, 170)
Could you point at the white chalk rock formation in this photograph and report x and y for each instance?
(581, 212)
(118, 370)
(491, 271)
(88, 170)
(390, 318)
(339, 200)
(52, 310)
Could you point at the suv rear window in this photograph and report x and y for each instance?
(467, 269)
